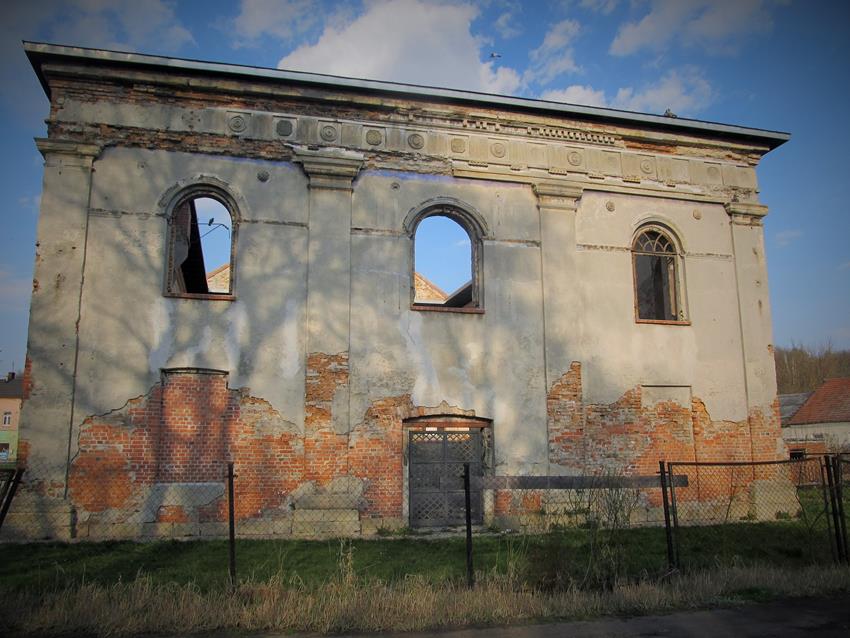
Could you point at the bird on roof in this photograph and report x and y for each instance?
(669, 113)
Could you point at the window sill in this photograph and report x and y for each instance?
(663, 322)
(202, 296)
(436, 308)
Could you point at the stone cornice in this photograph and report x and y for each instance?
(746, 214)
(53, 61)
(485, 150)
(746, 208)
(332, 168)
(71, 153)
(558, 195)
(396, 133)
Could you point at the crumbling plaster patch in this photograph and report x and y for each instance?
(631, 434)
(126, 457)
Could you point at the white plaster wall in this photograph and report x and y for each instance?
(129, 330)
(490, 363)
(616, 352)
(493, 363)
(834, 434)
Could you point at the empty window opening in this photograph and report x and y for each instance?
(443, 264)
(202, 247)
(797, 455)
(656, 279)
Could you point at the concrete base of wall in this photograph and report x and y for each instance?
(325, 523)
(32, 517)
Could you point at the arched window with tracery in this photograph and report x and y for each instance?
(655, 259)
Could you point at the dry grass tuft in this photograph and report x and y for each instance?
(349, 604)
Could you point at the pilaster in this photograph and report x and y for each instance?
(331, 173)
(557, 203)
(747, 232)
(48, 415)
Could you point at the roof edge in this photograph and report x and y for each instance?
(38, 52)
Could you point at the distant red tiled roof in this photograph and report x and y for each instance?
(830, 403)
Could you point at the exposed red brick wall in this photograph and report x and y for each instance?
(27, 379)
(197, 412)
(622, 437)
(186, 428)
(629, 438)
(377, 446)
(184, 431)
(375, 454)
(172, 514)
(325, 451)
(23, 452)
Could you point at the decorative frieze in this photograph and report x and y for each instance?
(525, 151)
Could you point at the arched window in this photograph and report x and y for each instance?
(446, 259)
(202, 238)
(656, 272)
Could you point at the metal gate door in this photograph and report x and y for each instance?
(436, 477)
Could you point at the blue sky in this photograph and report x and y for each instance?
(771, 64)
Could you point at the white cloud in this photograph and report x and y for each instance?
(281, 19)
(576, 94)
(684, 91)
(786, 237)
(602, 6)
(120, 24)
(555, 55)
(111, 24)
(507, 25)
(406, 41)
(115, 24)
(718, 26)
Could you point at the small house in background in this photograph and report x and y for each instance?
(11, 393)
(821, 421)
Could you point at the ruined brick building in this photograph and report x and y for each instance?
(617, 311)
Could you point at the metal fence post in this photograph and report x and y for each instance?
(671, 561)
(838, 507)
(674, 512)
(825, 478)
(9, 493)
(232, 524)
(470, 573)
(833, 501)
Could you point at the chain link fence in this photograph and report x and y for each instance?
(758, 511)
(579, 528)
(105, 500)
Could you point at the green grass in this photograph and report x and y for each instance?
(781, 543)
(205, 563)
(569, 556)
(399, 584)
